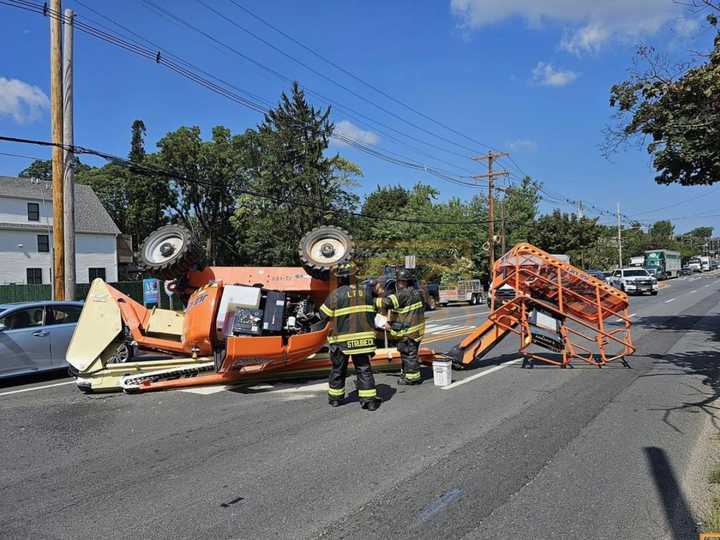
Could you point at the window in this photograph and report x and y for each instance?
(23, 318)
(63, 314)
(96, 273)
(34, 276)
(33, 211)
(635, 273)
(43, 241)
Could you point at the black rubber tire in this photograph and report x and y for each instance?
(190, 256)
(321, 269)
(654, 293)
(473, 300)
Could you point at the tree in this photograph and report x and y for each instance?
(565, 234)
(294, 185)
(211, 177)
(701, 232)
(661, 232)
(676, 110)
(42, 169)
(521, 207)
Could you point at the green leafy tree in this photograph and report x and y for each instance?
(211, 177)
(521, 208)
(661, 233)
(42, 169)
(294, 185)
(675, 111)
(566, 234)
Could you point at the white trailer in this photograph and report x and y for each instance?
(467, 290)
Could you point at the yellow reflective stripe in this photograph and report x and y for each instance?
(394, 299)
(408, 309)
(364, 308)
(334, 392)
(367, 393)
(349, 337)
(420, 328)
(378, 303)
(368, 350)
(413, 376)
(327, 311)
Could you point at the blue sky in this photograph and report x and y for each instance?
(530, 77)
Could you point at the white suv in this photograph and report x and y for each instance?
(634, 281)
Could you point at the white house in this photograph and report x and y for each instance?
(26, 233)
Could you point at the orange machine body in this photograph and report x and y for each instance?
(258, 352)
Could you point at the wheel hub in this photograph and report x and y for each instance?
(167, 249)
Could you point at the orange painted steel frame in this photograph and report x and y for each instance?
(542, 281)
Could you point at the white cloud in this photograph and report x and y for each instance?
(351, 131)
(24, 102)
(546, 75)
(523, 145)
(686, 28)
(590, 23)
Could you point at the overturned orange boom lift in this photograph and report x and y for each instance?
(199, 346)
(557, 308)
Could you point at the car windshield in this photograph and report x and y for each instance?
(635, 273)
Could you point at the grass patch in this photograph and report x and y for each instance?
(714, 476)
(712, 522)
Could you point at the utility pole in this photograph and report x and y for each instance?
(502, 225)
(69, 161)
(56, 107)
(619, 237)
(490, 176)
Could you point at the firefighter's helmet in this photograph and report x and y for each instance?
(345, 270)
(404, 275)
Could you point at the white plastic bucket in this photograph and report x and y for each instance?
(442, 372)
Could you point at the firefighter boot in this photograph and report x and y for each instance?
(371, 404)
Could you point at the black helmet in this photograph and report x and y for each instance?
(404, 275)
(345, 270)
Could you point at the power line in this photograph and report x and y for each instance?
(173, 175)
(182, 22)
(355, 77)
(214, 87)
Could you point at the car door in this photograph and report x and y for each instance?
(616, 278)
(60, 321)
(24, 343)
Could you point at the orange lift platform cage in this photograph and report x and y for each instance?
(559, 313)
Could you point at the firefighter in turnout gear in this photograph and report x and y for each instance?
(352, 337)
(407, 325)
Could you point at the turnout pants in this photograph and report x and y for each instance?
(338, 373)
(408, 349)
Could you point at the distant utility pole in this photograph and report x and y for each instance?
(490, 176)
(68, 141)
(502, 225)
(56, 107)
(619, 236)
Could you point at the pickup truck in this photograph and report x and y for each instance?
(634, 281)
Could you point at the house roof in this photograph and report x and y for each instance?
(90, 214)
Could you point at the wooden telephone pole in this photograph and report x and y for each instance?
(69, 142)
(56, 106)
(490, 177)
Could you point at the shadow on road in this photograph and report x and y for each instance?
(675, 505)
(704, 362)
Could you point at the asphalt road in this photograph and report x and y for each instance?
(504, 452)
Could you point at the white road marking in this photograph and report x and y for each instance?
(481, 374)
(431, 329)
(466, 316)
(36, 388)
(708, 284)
(632, 315)
(693, 291)
(668, 301)
(270, 388)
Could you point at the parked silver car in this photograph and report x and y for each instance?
(34, 336)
